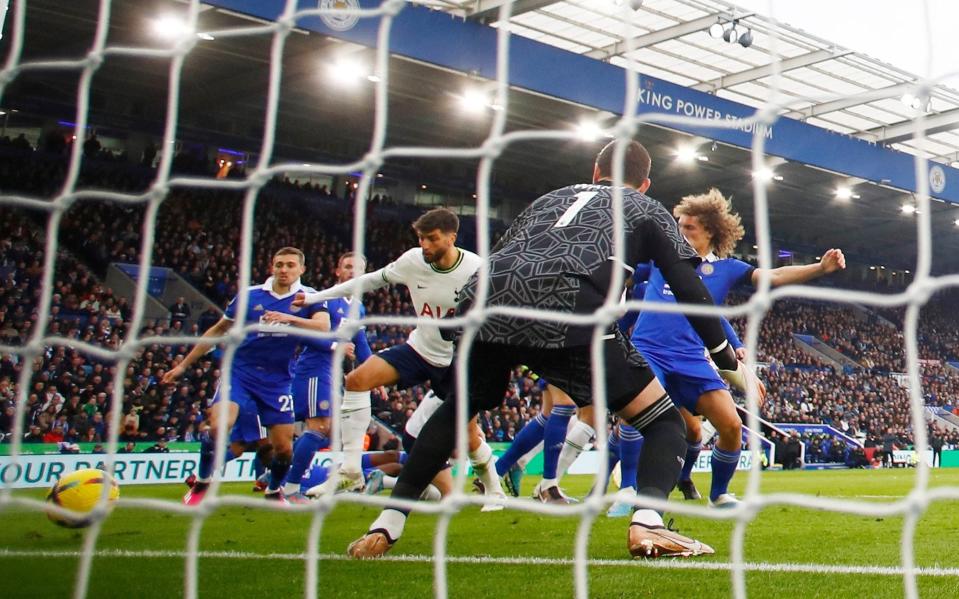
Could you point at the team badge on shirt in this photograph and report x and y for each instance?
(708, 269)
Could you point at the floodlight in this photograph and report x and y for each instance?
(473, 101)
(843, 193)
(716, 30)
(908, 209)
(765, 174)
(686, 153)
(169, 27)
(731, 35)
(746, 39)
(589, 130)
(346, 70)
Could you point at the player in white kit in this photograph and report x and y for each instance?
(434, 273)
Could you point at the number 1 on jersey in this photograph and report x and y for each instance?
(582, 198)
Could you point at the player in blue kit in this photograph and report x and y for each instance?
(313, 385)
(674, 350)
(262, 374)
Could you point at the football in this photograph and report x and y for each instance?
(79, 492)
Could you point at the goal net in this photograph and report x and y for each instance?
(278, 21)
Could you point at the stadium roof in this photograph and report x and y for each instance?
(224, 86)
(822, 83)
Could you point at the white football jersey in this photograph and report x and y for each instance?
(433, 292)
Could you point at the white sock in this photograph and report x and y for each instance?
(353, 425)
(647, 517)
(484, 466)
(389, 481)
(480, 457)
(529, 455)
(392, 521)
(431, 493)
(577, 441)
(290, 488)
(355, 400)
(547, 483)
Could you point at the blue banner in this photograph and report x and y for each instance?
(156, 283)
(467, 46)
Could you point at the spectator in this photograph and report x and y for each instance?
(180, 310)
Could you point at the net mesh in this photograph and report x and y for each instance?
(924, 285)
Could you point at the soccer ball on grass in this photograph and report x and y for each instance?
(80, 492)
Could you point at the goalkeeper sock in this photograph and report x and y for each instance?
(692, 454)
(303, 451)
(525, 440)
(577, 441)
(664, 431)
(554, 437)
(629, 451)
(724, 467)
(390, 522)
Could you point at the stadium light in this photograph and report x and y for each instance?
(844, 193)
(205, 36)
(766, 174)
(170, 27)
(908, 209)
(687, 154)
(473, 101)
(347, 71)
(716, 30)
(956, 222)
(589, 130)
(731, 35)
(746, 39)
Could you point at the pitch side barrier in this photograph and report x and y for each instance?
(470, 47)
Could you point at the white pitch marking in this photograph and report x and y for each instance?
(665, 564)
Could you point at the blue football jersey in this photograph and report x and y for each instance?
(269, 353)
(317, 355)
(673, 331)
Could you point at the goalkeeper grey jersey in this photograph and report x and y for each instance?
(558, 255)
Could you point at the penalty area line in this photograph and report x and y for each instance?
(662, 563)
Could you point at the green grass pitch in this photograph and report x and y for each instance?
(251, 552)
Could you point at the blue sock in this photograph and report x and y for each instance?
(692, 454)
(553, 438)
(303, 451)
(207, 454)
(366, 462)
(525, 440)
(724, 466)
(278, 469)
(612, 449)
(258, 467)
(403, 456)
(630, 447)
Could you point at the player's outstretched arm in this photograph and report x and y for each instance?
(318, 322)
(199, 350)
(353, 287)
(832, 261)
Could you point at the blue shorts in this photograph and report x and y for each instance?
(273, 402)
(247, 429)
(312, 397)
(413, 369)
(686, 376)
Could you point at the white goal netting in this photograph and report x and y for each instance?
(630, 125)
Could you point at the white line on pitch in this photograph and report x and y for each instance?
(667, 564)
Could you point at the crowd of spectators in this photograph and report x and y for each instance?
(198, 235)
